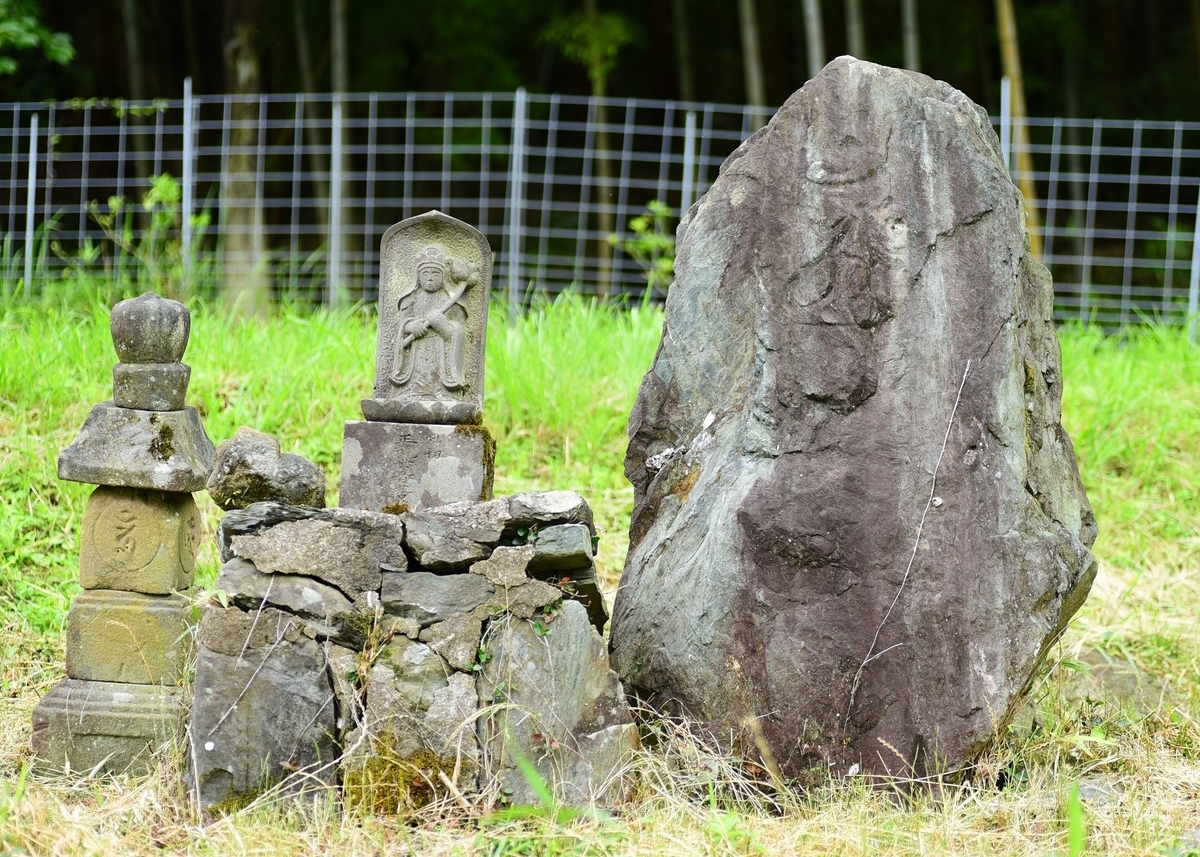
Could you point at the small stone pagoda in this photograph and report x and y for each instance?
(128, 633)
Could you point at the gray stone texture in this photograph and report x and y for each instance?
(456, 535)
(264, 707)
(560, 705)
(162, 450)
(415, 703)
(249, 468)
(506, 566)
(83, 727)
(786, 560)
(151, 386)
(127, 637)
(430, 598)
(138, 541)
(456, 639)
(345, 548)
(394, 467)
(249, 588)
(434, 285)
(561, 548)
(150, 329)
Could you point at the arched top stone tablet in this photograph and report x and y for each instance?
(434, 283)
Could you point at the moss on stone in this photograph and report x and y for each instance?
(396, 508)
(386, 783)
(162, 447)
(489, 455)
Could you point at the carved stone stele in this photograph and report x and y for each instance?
(435, 278)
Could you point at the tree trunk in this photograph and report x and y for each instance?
(856, 34)
(1010, 54)
(133, 51)
(246, 285)
(752, 64)
(316, 160)
(814, 37)
(1196, 29)
(912, 41)
(189, 41)
(683, 51)
(1074, 161)
(341, 84)
(604, 179)
(135, 60)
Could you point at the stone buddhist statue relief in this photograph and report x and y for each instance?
(435, 277)
(431, 347)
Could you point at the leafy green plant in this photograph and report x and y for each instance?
(20, 29)
(159, 248)
(652, 247)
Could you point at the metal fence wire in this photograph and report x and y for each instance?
(300, 187)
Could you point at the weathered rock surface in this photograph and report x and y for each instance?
(561, 707)
(430, 598)
(139, 541)
(249, 588)
(105, 727)
(250, 468)
(150, 329)
(151, 386)
(264, 706)
(345, 548)
(394, 467)
(833, 531)
(163, 450)
(457, 534)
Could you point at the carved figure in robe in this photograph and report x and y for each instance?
(432, 338)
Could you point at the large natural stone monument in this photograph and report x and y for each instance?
(858, 522)
(422, 443)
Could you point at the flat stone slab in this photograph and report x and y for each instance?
(345, 548)
(251, 468)
(249, 588)
(457, 534)
(105, 727)
(562, 708)
(393, 466)
(429, 598)
(264, 707)
(163, 450)
(139, 540)
(117, 636)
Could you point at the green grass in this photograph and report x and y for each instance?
(1118, 709)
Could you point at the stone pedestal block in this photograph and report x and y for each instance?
(139, 541)
(151, 386)
(401, 466)
(164, 450)
(127, 637)
(105, 727)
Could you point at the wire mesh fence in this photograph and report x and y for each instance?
(294, 191)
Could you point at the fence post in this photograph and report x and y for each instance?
(335, 204)
(187, 185)
(30, 203)
(689, 163)
(515, 194)
(1194, 287)
(1006, 123)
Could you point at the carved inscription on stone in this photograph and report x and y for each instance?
(433, 298)
(139, 541)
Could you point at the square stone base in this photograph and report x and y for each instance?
(127, 637)
(139, 541)
(395, 467)
(105, 727)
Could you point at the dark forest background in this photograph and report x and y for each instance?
(1102, 58)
